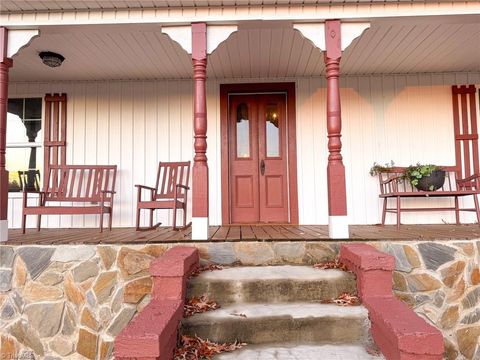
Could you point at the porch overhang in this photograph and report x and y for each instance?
(259, 49)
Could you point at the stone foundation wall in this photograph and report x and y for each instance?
(69, 302)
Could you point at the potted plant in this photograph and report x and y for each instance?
(426, 177)
(377, 168)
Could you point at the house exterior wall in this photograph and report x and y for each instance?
(135, 124)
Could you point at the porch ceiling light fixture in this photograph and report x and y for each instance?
(51, 59)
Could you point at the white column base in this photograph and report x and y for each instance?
(3, 230)
(200, 228)
(338, 227)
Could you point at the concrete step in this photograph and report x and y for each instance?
(280, 323)
(271, 284)
(300, 352)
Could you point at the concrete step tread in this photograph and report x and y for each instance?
(281, 322)
(298, 310)
(271, 284)
(284, 272)
(300, 352)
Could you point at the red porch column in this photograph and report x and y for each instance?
(200, 166)
(337, 197)
(5, 64)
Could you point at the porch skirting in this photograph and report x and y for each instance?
(72, 289)
(3, 230)
(338, 227)
(200, 228)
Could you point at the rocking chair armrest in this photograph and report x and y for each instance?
(183, 186)
(25, 196)
(40, 193)
(26, 191)
(145, 187)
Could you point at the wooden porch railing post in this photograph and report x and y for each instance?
(5, 64)
(337, 198)
(200, 166)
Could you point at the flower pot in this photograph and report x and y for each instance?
(433, 182)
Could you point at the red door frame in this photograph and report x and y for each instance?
(289, 89)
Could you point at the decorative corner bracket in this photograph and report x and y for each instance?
(216, 34)
(350, 31)
(182, 35)
(18, 39)
(315, 32)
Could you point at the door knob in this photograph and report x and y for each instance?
(262, 167)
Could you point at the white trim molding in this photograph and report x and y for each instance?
(200, 228)
(338, 227)
(18, 39)
(3, 230)
(234, 14)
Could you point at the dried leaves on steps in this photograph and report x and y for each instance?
(331, 265)
(195, 348)
(201, 269)
(345, 299)
(199, 305)
(373, 350)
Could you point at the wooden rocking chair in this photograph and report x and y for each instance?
(29, 180)
(170, 192)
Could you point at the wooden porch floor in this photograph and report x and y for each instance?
(243, 233)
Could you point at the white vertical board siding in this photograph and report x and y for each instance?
(132, 124)
(404, 118)
(136, 124)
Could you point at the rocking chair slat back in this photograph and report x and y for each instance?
(169, 175)
(29, 179)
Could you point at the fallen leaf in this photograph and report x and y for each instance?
(199, 305)
(331, 265)
(195, 348)
(345, 299)
(201, 269)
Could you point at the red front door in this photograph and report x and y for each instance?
(258, 158)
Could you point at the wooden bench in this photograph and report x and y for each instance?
(89, 189)
(392, 188)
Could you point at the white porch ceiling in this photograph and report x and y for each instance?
(28, 5)
(257, 50)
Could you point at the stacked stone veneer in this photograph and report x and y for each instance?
(69, 302)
